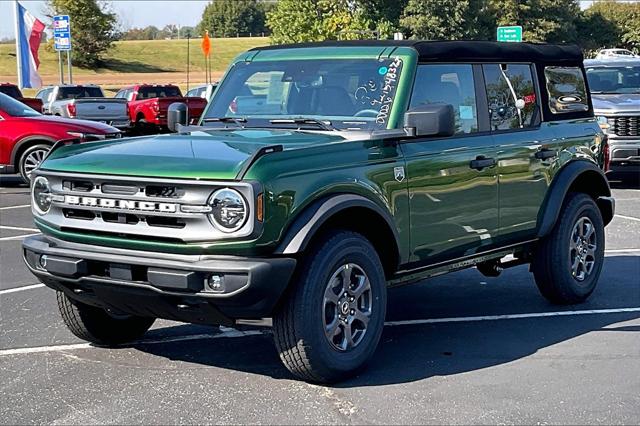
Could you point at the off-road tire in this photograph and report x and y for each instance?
(97, 326)
(552, 266)
(299, 323)
(35, 150)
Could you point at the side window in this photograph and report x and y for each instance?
(119, 95)
(566, 88)
(448, 84)
(511, 96)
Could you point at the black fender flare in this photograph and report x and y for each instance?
(18, 146)
(562, 183)
(305, 226)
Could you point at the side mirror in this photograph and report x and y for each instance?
(178, 114)
(430, 120)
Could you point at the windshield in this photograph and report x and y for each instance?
(159, 92)
(79, 92)
(344, 93)
(15, 108)
(614, 80)
(11, 91)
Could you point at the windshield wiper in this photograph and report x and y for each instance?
(239, 121)
(324, 125)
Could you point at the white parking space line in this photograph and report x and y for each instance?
(229, 333)
(17, 289)
(629, 250)
(232, 333)
(18, 228)
(18, 237)
(512, 316)
(15, 207)
(628, 217)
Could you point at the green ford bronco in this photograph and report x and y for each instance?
(319, 176)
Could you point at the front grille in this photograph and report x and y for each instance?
(625, 126)
(138, 208)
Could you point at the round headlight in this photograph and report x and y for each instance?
(41, 194)
(229, 210)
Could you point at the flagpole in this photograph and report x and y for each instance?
(16, 11)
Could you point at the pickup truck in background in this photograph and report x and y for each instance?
(148, 105)
(86, 102)
(13, 91)
(204, 91)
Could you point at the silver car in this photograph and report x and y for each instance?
(615, 90)
(86, 102)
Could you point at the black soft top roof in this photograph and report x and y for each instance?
(465, 50)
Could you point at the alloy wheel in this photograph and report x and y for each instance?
(33, 160)
(582, 249)
(347, 307)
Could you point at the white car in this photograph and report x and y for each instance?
(616, 53)
(205, 91)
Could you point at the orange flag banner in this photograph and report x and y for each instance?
(206, 44)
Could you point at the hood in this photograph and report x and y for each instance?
(618, 103)
(74, 124)
(211, 154)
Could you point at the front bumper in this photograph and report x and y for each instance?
(176, 287)
(625, 155)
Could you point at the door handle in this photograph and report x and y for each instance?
(481, 162)
(545, 154)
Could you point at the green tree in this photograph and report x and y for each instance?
(447, 19)
(93, 28)
(624, 17)
(224, 18)
(552, 21)
(296, 21)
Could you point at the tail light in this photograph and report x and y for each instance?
(155, 106)
(71, 109)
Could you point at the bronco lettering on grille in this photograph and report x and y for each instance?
(146, 206)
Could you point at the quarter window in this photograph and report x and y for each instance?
(448, 84)
(566, 88)
(511, 96)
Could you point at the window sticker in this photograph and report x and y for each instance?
(466, 112)
(387, 91)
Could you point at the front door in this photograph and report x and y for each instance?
(452, 181)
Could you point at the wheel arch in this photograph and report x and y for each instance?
(576, 176)
(345, 211)
(26, 143)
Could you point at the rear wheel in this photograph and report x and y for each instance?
(98, 326)
(568, 262)
(30, 159)
(331, 322)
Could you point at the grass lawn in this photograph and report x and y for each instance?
(160, 58)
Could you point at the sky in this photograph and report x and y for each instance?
(132, 13)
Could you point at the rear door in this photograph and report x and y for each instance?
(526, 147)
(452, 181)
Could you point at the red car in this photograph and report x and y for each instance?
(26, 135)
(13, 91)
(149, 103)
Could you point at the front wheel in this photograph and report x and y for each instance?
(98, 326)
(31, 159)
(332, 320)
(568, 262)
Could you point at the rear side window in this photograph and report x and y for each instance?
(511, 96)
(448, 84)
(566, 88)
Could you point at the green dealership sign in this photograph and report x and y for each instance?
(512, 34)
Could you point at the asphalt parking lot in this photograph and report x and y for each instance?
(460, 348)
